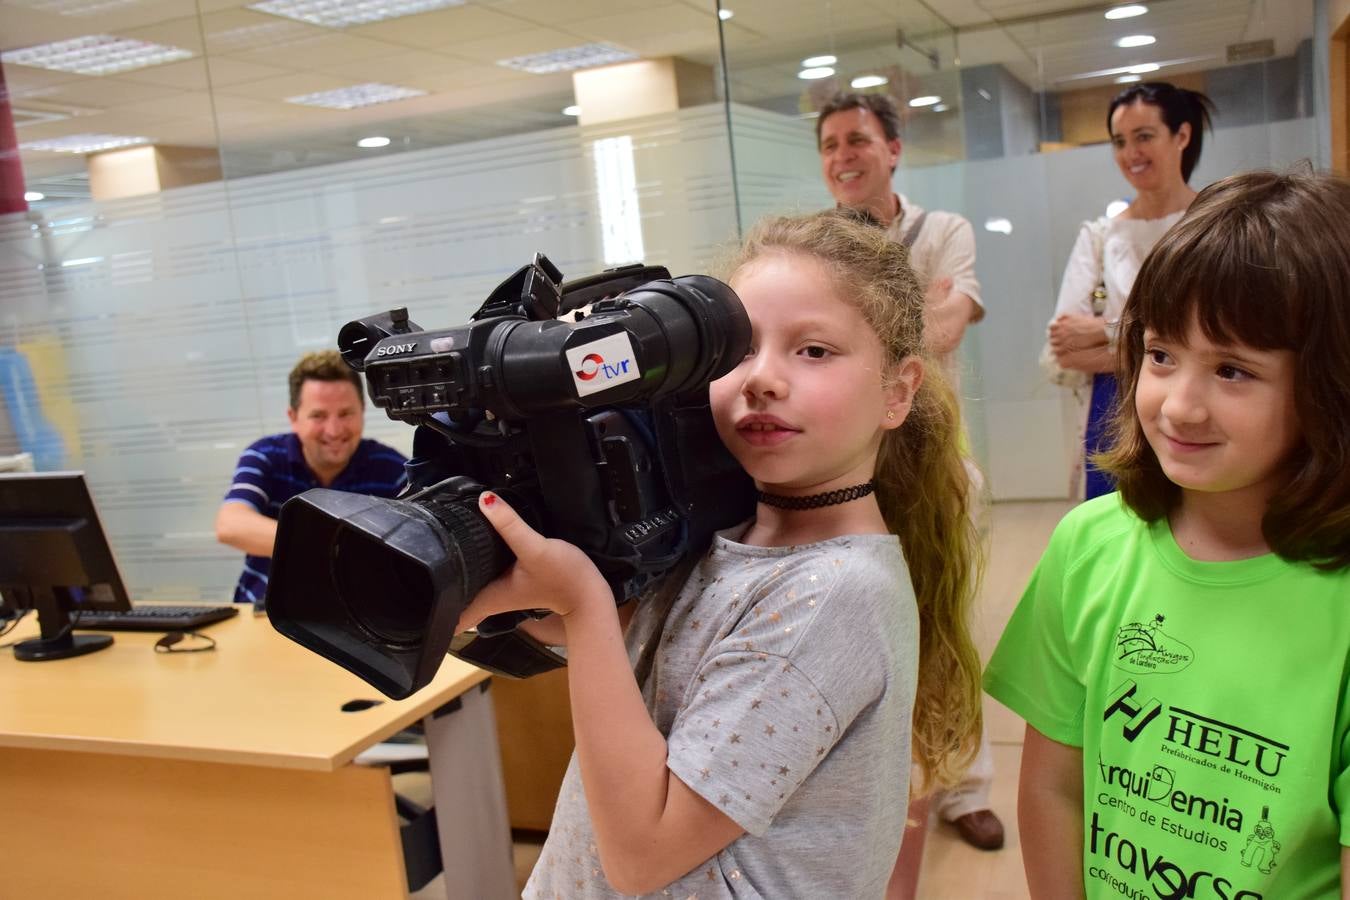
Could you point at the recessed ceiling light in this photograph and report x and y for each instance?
(1136, 40)
(572, 110)
(725, 14)
(1127, 12)
(1127, 79)
(816, 73)
(567, 59)
(344, 13)
(941, 107)
(85, 143)
(356, 96)
(816, 62)
(34, 196)
(95, 54)
(867, 81)
(370, 143)
(1143, 68)
(928, 100)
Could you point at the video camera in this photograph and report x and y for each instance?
(597, 430)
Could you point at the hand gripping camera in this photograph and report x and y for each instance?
(595, 428)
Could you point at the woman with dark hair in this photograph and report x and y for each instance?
(1157, 130)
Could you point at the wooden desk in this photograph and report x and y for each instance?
(130, 773)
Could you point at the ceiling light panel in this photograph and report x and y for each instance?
(85, 143)
(567, 59)
(346, 13)
(356, 96)
(95, 54)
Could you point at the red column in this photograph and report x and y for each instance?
(11, 168)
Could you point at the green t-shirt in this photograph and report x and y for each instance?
(1209, 700)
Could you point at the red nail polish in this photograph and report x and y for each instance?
(489, 499)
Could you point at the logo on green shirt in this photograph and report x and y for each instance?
(1144, 648)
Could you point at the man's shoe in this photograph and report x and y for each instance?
(980, 829)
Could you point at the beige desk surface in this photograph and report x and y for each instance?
(257, 699)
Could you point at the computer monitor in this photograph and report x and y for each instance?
(55, 558)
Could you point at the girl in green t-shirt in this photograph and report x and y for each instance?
(1181, 653)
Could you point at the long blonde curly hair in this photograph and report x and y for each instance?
(923, 486)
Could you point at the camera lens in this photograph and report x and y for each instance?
(385, 593)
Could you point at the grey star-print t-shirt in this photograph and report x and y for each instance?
(783, 679)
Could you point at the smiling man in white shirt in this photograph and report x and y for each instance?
(858, 138)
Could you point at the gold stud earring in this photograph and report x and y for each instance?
(890, 415)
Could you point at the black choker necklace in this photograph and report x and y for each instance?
(815, 501)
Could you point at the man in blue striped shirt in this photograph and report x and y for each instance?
(324, 448)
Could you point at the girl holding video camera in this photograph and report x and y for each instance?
(760, 747)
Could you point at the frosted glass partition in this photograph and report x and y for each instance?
(1028, 424)
(777, 167)
(1021, 426)
(147, 340)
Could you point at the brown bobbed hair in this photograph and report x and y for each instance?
(923, 487)
(1261, 259)
(322, 365)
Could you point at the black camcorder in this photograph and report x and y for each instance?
(595, 427)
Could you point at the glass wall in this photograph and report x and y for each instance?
(1004, 121)
(216, 186)
(291, 166)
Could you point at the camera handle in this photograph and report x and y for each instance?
(513, 654)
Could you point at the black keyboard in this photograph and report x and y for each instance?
(154, 618)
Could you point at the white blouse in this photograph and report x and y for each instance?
(1125, 243)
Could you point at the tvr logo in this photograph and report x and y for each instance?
(603, 363)
(593, 365)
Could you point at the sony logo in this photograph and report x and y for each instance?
(395, 349)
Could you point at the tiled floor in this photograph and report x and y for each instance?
(952, 870)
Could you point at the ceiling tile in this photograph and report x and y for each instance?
(243, 30)
(312, 50)
(187, 75)
(185, 33)
(23, 81)
(107, 92)
(405, 68)
(626, 27)
(548, 12)
(518, 43)
(442, 27)
(224, 71)
(292, 84)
